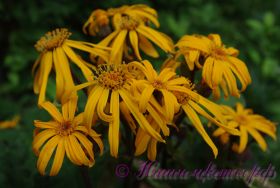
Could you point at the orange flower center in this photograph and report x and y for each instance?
(182, 98)
(52, 40)
(65, 128)
(158, 84)
(218, 52)
(241, 119)
(112, 76)
(128, 23)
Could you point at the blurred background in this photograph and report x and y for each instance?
(251, 26)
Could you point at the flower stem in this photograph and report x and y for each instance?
(85, 175)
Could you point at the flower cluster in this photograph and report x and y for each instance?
(123, 89)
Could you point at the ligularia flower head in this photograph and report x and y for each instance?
(55, 51)
(131, 31)
(111, 84)
(65, 134)
(176, 92)
(247, 122)
(220, 65)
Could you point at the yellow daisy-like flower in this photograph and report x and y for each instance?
(65, 134)
(9, 123)
(144, 12)
(131, 31)
(193, 107)
(98, 20)
(111, 86)
(166, 83)
(55, 51)
(248, 123)
(220, 65)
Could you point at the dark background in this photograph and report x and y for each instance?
(251, 26)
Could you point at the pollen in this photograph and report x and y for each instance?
(128, 23)
(241, 119)
(183, 98)
(158, 84)
(218, 52)
(65, 128)
(52, 39)
(113, 76)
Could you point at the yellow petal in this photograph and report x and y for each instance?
(87, 145)
(152, 150)
(258, 137)
(70, 152)
(102, 105)
(45, 125)
(53, 111)
(115, 125)
(143, 123)
(58, 159)
(78, 61)
(127, 115)
(147, 47)
(199, 127)
(97, 139)
(243, 139)
(59, 77)
(46, 154)
(145, 97)
(45, 71)
(91, 105)
(41, 138)
(117, 45)
(134, 42)
(78, 151)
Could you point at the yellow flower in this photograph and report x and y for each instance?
(144, 12)
(65, 134)
(111, 86)
(131, 33)
(98, 20)
(220, 65)
(166, 83)
(55, 51)
(144, 142)
(9, 123)
(247, 123)
(209, 110)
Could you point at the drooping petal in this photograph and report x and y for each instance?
(134, 42)
(199, 127)
(115, 125)
(46, 154)
(45, 71)
(58, 159)
(52, 110)
(243, 139)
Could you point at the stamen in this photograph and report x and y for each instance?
(158, 84)
(65, 128)
(113, 76)
(128, 23)
(183, 98)
(218, 52)
(52, 40)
